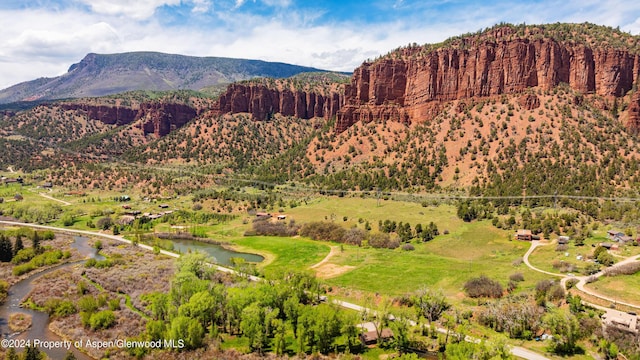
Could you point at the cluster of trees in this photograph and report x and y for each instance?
(328, 231)
(482, 286)
(390, 236)
(404, 231)
(279, 228)
(275, 315)
(30, 213)
(15, 251)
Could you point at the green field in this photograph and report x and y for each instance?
(283, 254)
(446, 262)
(626, 288)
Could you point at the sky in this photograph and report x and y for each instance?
(43, 38)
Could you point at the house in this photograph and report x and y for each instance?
(624, 239)
(126, 207)
(163, 206)
(609, 246)
(621, 320)
(282, 217)
(126, 220)
(563, 240)
(371, 337)
(612, 233)
(263, 215)
(47, 185)
(524, 235)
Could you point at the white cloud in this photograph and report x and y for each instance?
(36, 43)
(136, 9)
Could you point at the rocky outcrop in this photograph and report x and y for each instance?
(160, 118)
(529, 101)
(157, 118)
(410, 86)
(633, 113)
(112, 115)
(262, 102)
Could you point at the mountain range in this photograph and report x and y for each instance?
(106, 74)
(508, 110)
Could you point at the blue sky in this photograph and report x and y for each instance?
(42, 38)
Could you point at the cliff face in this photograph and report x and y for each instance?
(262, 102)
(633, 120)
(157, 118)
(409, 87)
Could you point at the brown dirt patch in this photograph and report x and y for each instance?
(19, 322)
(326, 271)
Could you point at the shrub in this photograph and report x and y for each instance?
(354, 236)
(88, 304)
(516, 277)
(408, 247)
(64, 308)
(280, 228)
(322, 230)
(102, 320)
(625, 269)
(483, 287)
(383, 240)
(563, 266)
(23, 255)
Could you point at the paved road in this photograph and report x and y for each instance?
(515, 350)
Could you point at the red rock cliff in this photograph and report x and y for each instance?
(262, 102)
(157, 118)
(410, 86)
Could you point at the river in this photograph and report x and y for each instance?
(39, 329)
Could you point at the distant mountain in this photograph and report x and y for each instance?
(99, 75)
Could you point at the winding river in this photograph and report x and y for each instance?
(39, 329)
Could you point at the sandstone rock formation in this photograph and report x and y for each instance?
(262, 101)
(633, 119)
(409, 86)
(157, 118)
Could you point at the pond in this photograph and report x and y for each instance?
(221, 255)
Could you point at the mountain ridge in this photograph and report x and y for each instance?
(106, 74)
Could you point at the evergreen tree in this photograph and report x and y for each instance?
(36, 241)
(6, 250)
(18, 245)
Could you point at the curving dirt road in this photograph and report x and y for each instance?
(582, 280)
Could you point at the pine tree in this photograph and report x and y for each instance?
(6, 250)
(18, 245)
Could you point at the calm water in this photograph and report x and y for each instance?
(220, 254)
(40, 320)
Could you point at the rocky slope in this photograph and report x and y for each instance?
(411, 84)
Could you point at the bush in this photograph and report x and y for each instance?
(23, 256)
(354, 236)
(102, 320)
(64, 308)
(483, 287)
(383, 240)
(321, 230)
(626, 269)
(516, 277)
(279, 228)
(408, 247)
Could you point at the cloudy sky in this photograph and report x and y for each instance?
(42, 38)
